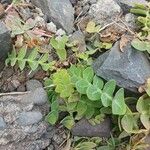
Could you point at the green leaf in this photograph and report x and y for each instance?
(72, 106)
(143, 105)
(68, 122)
(62, 54)
(107, 93)
(33, 55)
(44, 58)
(22, 64)
(129, 123)
(22, 53)
(92, 28)
(81, 109)
(93, 93)
(52, 117)
(89, 112)
(88, 74)
(63, 83)
(141, 45)
(82, 86)
(98, 82)
(86, 146)
(145, 119)
(34, 65)
(118, 103)
(105, 148)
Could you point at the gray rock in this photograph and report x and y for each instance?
(78, 38)
(126, 5)
(129, 68)
(58, 11)
(85, 129)
(103, 13)
(5, 43)
(2, 123)
(51, 27)
(38, 96)
(131, 21)
(60, 32)
(5, 1)
(29, 118)
(33, 84)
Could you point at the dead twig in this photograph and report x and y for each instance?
(14, 93)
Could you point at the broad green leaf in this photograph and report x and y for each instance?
(71, 106)
(89, 112)
(107, 93)
(46, 66)
(145, 119)
(88, 74)
(22, 64)
(22, 53)
(62, 54)
(34, 65)
(82, 86)
(63, 83)
(44, 58)
(52, 117)
(54, 43)
(68, 122)
(74, 97)
(105, 148)
(143, 105)
(81, 109)
(106, 110)
(118, 103)
(141, 45)
(92, 28)
(86, 146)
(129, 123)
(33, 55)
(55, 105)
(98, 82)
(93, 93)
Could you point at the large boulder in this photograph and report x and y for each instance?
(5, 43)
(104, 11)
(58, 11)
(129, 68)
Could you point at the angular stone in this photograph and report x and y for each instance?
(129, 68)
(28, 118)
(38, 97)
(5, 43)
(32, 85)
(78, 38)
(2, 123)
(85, 129)
(58, 11)
(126, 5)
(103, 13)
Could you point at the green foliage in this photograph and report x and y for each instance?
(59, 44)
(141, 45)
(33, 60)
(83, 143)
(142, 42)
(17, 25)
(62, 81)
(84, 94)
(92, 28)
